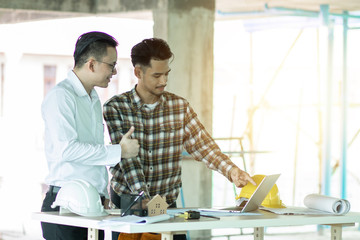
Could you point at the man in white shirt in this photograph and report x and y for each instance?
(74, 131)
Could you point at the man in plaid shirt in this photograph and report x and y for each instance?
(164, 124)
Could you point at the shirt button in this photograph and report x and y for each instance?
(148, 185)
(149, 152)
(151, 168)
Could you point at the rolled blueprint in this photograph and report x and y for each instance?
(327, 204)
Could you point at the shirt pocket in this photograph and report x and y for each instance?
(172, 132)
(171, 126)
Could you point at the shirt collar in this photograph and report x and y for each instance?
(78, 87)
(138, 103)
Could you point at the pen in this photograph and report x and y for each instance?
(132, 204)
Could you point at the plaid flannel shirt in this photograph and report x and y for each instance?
(162, 133)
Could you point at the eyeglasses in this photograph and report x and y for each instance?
(111, 65)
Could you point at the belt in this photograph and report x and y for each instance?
(102, 199)
(54, 189)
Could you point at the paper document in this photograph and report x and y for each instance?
(315, 204)
(224, 213)
(327, 204)
(207, 211)
(295, 211)
(132, 219)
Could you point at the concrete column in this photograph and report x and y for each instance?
(326, 35)
(188, 27)
(189, 30)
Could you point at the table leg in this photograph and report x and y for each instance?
(259, 233)
(93, 234)
(107, 234)
(336, 232)
(167, 236)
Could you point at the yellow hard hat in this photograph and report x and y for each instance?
(272, 200)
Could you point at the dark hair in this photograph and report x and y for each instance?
(92, 44)
(151, 48)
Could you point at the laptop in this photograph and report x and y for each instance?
(256, 198)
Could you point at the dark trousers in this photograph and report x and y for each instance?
(115, 199)
(61, 232)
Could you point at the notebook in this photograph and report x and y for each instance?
(256, 198)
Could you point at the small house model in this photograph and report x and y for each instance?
(157, 206)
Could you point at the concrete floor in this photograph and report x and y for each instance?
(349, 233)
(298, 236)
(296, 233)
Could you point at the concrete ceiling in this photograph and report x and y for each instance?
(28, 10)
(336, 6)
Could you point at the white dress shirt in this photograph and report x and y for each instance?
(74, 136)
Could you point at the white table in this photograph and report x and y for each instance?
(168, 228)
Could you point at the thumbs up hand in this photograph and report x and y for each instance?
(129, 146)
